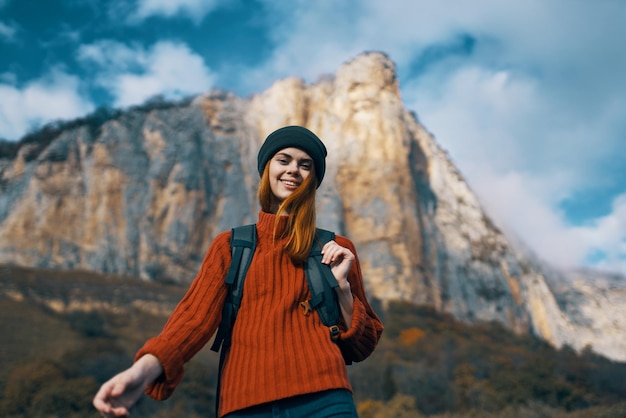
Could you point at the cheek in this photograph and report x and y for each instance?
(273, 180)
(273, 171)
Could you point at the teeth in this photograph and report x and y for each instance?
(289, 183)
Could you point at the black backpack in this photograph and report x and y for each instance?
(319, 277)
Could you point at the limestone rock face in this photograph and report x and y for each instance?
(145, 192)
(595, 305)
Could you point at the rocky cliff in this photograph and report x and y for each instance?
(143, 192)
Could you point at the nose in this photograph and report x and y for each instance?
(292, 167)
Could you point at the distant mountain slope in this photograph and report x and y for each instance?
(143, 192)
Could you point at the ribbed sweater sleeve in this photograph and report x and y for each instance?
(194, 320)
(359, 340)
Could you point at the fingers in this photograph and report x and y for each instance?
(333, 252)
(107, 409)
(105, 399)
(101, 400)
(116, 413)
(120, 411)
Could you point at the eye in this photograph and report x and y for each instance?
(306, 165)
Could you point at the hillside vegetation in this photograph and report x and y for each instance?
(64, 333)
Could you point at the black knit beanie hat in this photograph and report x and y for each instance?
(297, 137)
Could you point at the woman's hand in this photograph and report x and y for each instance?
(122, 391)
(340, 261)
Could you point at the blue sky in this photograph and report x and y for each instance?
(528, 97)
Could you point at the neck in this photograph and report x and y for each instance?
(276, 206)
(266, 222)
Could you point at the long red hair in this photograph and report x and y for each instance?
(300, 207)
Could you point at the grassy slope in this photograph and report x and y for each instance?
(124, 313)
(27, 331)
(127, 311)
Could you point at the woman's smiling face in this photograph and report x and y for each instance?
(289, 167)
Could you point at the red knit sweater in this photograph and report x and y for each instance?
(276, 352)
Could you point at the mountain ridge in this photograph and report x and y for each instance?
(143, 193)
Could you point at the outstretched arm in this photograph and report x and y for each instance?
(122, 391)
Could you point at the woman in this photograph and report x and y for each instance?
(280, 359)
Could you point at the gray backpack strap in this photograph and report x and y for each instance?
(322, 285)
(242, 244)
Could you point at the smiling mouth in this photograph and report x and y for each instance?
(289, 183)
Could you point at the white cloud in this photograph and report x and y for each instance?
(53, 97)
(8, 78)
(477, 112)
(310, 39)
(520, 204)
(536, 112)
(134, 74)
(607, 235)
(196, 10)
(7, 32)
(517, 202)
(522, 154)
(113, 56)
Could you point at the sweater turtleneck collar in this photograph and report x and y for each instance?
(265, 224)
